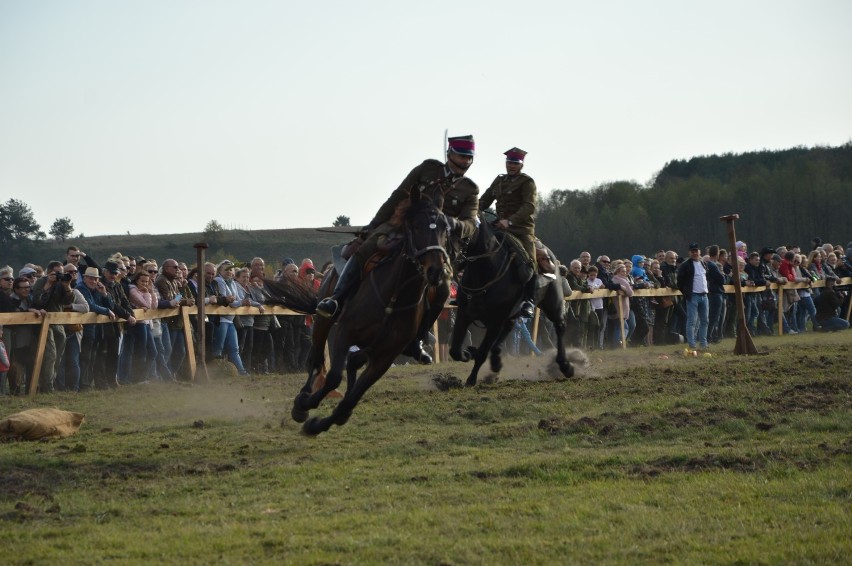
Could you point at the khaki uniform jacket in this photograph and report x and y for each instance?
(460, 201)
(516, 200)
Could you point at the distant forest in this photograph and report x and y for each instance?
(783, 197)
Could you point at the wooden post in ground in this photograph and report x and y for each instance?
(744, 345)
(202, 326)
(39, 357)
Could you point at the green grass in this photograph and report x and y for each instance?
(639, 459)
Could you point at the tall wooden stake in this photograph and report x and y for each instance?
(202, 291)
(745, 345)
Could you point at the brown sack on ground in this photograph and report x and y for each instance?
(35, 424)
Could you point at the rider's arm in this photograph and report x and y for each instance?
(469, 208)
(523, 217)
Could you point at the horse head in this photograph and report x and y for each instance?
(426, 236)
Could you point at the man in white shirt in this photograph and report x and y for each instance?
(692, 283)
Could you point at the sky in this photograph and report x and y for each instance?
(155, 117)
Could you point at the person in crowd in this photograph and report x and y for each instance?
(24, 337)
(68, 366)
(244, 323)
(95, 295)
(287, 338)
(585, 260)
(619, 277)
(461, 206)
(143, 364)
(661, 305)
(829, 304)
(170, 288)
(7, 280)
(780, 280)
(642, 316)
(742, 250)
(604, 265)
(106, 372)
(754, 278)
(805, 307)
(576, 312)
(225, 337)
(716, 295)
(52, 293)
(692, 283)
(593, 339)
(260, 362)
(674, 320)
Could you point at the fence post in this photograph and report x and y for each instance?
(200, 317)
(39, 357)
(745, 345)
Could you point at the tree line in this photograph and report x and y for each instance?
(783, 197)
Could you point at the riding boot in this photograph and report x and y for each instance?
(528, 303)
(415, 350)
(349, 280)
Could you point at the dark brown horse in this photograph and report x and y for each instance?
(377, 322)
(490, 292)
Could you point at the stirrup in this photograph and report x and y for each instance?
(527, 309)
(415, 350)
(327, 307)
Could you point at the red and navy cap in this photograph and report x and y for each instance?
(463, 145)
(515, 155)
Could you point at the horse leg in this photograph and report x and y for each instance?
(309, 397)
(463, 321)
(496, 361)
(355, 361)
(482, 352)
(376, 369)
(555, 316)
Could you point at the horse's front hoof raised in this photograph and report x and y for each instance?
(299, 414)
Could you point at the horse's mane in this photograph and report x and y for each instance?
(422, 204)
(291, 294)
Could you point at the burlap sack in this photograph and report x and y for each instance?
(35, 424)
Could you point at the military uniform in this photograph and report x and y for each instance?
(516, 200)
(433, 177)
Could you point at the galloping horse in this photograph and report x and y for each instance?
(490, 291)
(380, 319)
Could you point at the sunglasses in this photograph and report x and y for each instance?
(27, 288)
(7, 278)
(152, 271)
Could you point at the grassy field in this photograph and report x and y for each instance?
(638, 459)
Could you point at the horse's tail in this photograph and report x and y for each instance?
(291, 294)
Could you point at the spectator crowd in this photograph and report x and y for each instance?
(128, 350)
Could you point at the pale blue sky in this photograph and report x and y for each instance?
(158, 116)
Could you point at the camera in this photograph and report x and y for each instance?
(63, 277)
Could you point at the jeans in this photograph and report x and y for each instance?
(69, 370)
(226, 339)
(177, 339)
(832, 324)
(716, 316)
(806, 308)
(697, 318)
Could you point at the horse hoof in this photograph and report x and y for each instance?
(471, 382)
(312, 427)
(299, 415)
(459, 356)
(567, 370)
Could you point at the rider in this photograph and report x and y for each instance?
(515, 194)
(460, 206)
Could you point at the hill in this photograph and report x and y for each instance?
(240, 245)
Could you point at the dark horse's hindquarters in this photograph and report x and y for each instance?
(490, 292)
